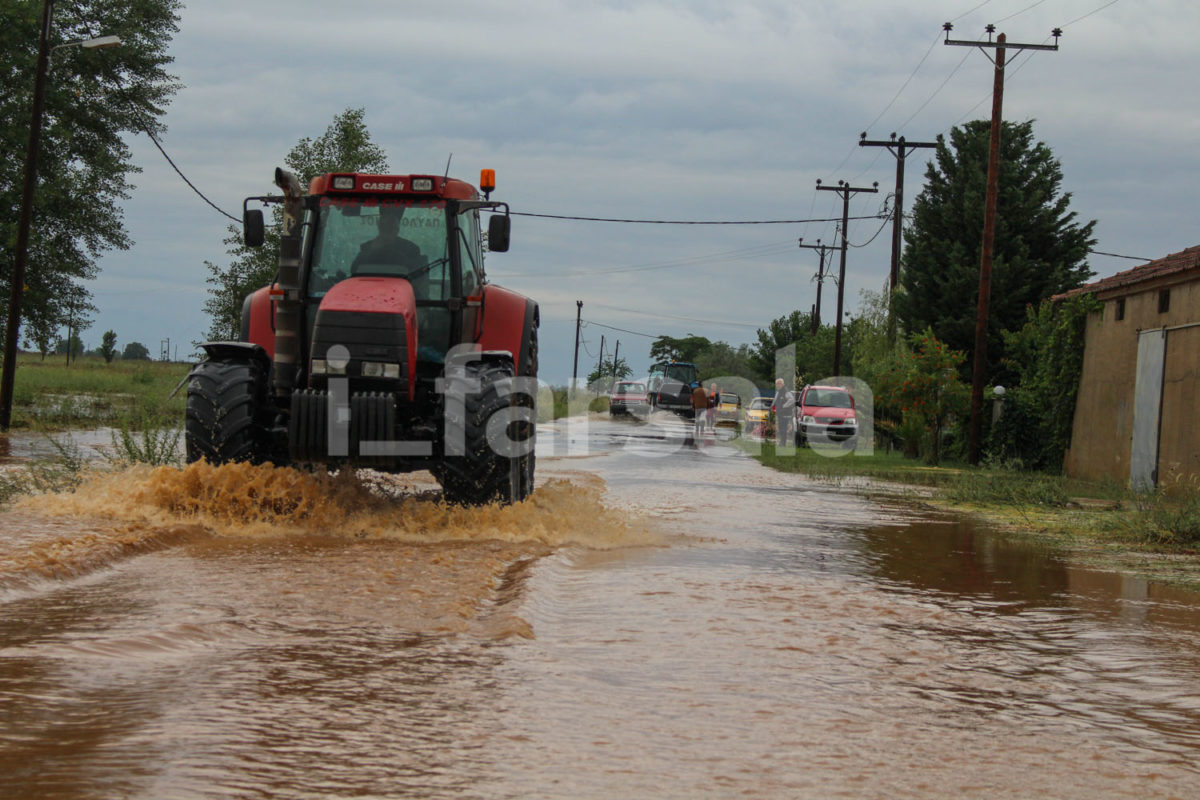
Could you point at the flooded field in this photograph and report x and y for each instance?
(657, 621)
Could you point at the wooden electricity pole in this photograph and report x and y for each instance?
(845, 190)
(822, 251)
(979, 368)
(900, 148)
(575, 368)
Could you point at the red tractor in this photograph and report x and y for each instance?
(380, 343)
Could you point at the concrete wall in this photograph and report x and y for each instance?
(1103, 427)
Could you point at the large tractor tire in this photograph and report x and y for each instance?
(224, 403)
(481, 475)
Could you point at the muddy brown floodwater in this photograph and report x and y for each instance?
(657, 621)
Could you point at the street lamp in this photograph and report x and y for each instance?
(21, 251)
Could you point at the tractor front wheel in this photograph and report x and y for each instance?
(489, 440)
(224, 404)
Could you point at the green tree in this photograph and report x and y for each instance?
(94, 100)
(1040, 248)
(76, 347)
(723, 360)
(607, 372)
(687, 348)
(108, 346)
(814, 352)
(926, 387)
(345, 146)
(135, 350)
(1046, 355)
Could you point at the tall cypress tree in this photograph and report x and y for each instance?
(1040, 248)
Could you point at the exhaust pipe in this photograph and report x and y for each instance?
(288, 323)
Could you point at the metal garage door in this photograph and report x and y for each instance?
(1147, 408)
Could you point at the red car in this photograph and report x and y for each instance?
(628, 397)
(824, 414)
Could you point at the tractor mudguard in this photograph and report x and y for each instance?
(258, 320)
(237, 351)
(509, 321)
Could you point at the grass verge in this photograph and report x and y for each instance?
(51, 396)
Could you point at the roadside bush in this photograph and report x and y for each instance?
(1047, 355)
(149, 445)
(1170, 515)
(60, 472)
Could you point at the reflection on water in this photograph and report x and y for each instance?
(688, 626)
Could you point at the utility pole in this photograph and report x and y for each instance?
(616, 352)
(25, 221)
(845, 190)
(900, 148)
(70, 328)
(25, 217)
(822, 250)
(979, 368)
(575, 368)
(600, 363)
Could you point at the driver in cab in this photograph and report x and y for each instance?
(387, 252)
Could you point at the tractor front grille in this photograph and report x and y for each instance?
(312, 438)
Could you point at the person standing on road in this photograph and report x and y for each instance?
(699, 410)
(714, 397)
(785, 412)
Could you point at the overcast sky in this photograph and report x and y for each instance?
(687, 110)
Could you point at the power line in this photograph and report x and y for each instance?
(741, 254)
(873, 237)
(903, 86)
(141, 120)
(1116, 255)
(1018, 13)
(972, 11)
(659, 314)
(672, 221)
(178, 171)
(622, 330)
(1095, 11)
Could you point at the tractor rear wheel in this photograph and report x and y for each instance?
(224, 403)
(490, 468)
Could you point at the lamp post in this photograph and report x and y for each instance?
(25, 221)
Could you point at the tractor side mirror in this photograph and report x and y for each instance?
(498, 230)
(252, 227)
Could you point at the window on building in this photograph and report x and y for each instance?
(1120, 308)
(1164, 301)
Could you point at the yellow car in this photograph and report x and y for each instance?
(757, 412)
(729, 408)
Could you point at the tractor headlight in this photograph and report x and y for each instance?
(379, 369)
(422, 184)
(321, 366)
(344, 182)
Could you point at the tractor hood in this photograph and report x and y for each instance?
(375, 319)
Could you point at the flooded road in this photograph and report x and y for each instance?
(658, 621)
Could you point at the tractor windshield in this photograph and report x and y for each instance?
(396, 238)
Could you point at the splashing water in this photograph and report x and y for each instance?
(258, 500)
